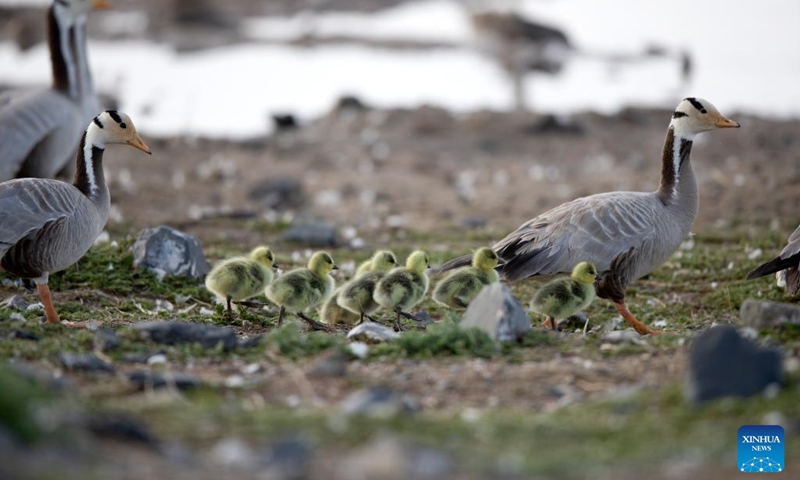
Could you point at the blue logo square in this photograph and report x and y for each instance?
(761, 449)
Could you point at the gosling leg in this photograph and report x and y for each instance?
(315, 325)
(397, 325)
(280, 316)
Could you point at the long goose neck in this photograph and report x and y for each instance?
(83, 75)
(89, 176)
(677, 177)
(61, 55)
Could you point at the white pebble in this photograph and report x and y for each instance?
(205, 311)
(754, 254)
(157, 359)
(35, 307)
(358, 349)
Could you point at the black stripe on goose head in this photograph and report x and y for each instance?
(98, 122)
(697, 104)
(115, 116)
(678, 114)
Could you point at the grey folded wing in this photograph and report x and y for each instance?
(594, 229)
(29, 117)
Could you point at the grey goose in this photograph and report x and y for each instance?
(40, 128)
(47, 225)
(624, 234)
(786, 266)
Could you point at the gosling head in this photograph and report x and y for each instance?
(485, 259)
(383, 261)
(418, 261)
(68, 12)
(584, 272)
(322, 263)
(696, 115)
(114, 127)
(264, 256)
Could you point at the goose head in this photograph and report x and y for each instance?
(114, 127)
(584, 272)
(264, 256)
(322, 263)
(383, 261)
(484, 259)
(418, 261)
(696, 115)
(68, 12)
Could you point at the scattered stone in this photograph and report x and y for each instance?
(623, 336)
(474, 222)
(429, 463)
(106, 339)
(234, 453)
(24, 335)
(121, 427)
(553, 124)
(166, 251)
(313, 235)
(84, 362)
(379, 402)
(160, 359)
(35, 307)
(142, 357)
(289, 459)
(495, 311)
(142, 380)
(722, 363)
(372, 332)
(358, 349)
(17, 302)
(383, 458)
(250, 342)
(765, 314)
(171, 333)
(331, 364)
(281, 193)
(349, 103)
(17, 317)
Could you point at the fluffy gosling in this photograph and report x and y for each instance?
(356, 296)
(459, 287)
(304, 288)
(563, 297)
(240, 278)
(404, 287)
(331, 313)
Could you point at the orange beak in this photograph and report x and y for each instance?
(723, 122)
(101, 4)
(137, 142)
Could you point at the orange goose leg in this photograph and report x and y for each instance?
(640, 327)
(50, 311)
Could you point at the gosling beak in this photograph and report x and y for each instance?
(336, 267)
(723, 122)
(137, 142)
(275, 266)
(101, 4)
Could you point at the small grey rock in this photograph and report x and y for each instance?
(289, 459)
(331, 364)
(372, 332)
(24, 335)
(379, 402)
(171, 333)
(164, 250)
(17, 302)
(764, 314)
(429, 463)
(281, 193)
(623, 336)
(722, 364)
(141, 357)
(495, 311)
(313, 235)
(142, 380)
(106, 339)
(84, 362)
(121, 426)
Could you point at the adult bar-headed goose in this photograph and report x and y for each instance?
(786, 266)
(40, 128)
(624, 234)
(47, 225)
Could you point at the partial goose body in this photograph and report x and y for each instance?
(243, 277)
(785, 266)
(404, 287)
(624, 234)
(47, 225)
(304, 288)
(564, 296)
(357, 295)
(459, 287)
(40, 128)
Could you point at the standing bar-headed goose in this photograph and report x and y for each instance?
(785, 266)
(633, 231)
(40, 128)
(47, 225)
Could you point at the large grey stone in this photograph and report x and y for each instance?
(166, 251)
(763, 313)
(146, 380)
(171, 333)
(313, 235)
(496, 311)
(372, 332)
(379, 402)
(722, 363)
